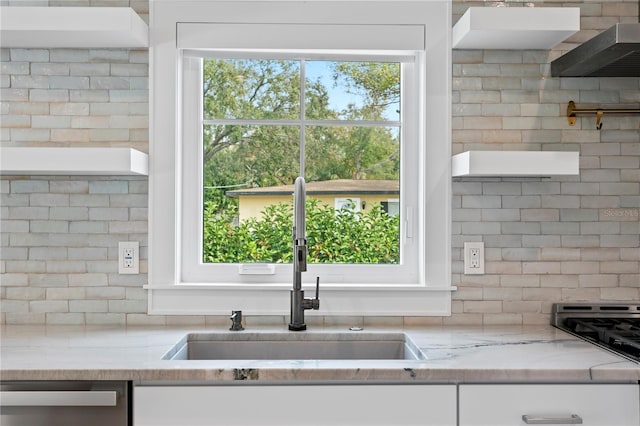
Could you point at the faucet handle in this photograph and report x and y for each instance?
(315, 303)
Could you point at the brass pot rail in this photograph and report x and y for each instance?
(572, 111)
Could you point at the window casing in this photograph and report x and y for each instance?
(179, 282)
(408, 271)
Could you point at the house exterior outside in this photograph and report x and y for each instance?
(359, 195)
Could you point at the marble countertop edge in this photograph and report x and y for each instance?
(509, 354)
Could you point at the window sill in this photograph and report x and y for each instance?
(220, 299)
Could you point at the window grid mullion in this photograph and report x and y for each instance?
(299, 122)
(302, 133)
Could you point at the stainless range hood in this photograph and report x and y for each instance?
(613, 53)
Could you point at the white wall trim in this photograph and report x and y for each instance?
(165, 152)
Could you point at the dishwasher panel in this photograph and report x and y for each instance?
(58, 403)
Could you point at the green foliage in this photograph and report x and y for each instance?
(333, 236)
(261, 155)
(268, 155)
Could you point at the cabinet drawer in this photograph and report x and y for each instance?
(505, 405)
(344, 405)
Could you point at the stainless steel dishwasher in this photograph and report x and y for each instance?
(57, 403)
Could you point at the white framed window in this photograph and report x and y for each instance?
(184, 36)
(251, 136)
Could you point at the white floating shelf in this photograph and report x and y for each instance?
(72, 27)
(515, 163)
(73, 161)
(515, 27)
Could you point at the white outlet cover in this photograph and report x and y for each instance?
(129, 257)
(473, 265)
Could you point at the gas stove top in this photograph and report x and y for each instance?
(613, 326)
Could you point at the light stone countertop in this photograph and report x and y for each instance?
(455, 354)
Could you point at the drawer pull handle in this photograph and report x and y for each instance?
(538, 420)
(58, 398)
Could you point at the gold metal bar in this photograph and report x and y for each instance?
(572, 111)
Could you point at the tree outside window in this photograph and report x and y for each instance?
(267, 121)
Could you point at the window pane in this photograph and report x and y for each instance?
(352, 152)
(247, 211)
(352, 172)
(352, 90)
(251, 89)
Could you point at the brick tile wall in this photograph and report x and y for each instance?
(547, 240)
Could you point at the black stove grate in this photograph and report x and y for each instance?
(621, 335)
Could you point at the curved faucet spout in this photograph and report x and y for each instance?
(299, 198)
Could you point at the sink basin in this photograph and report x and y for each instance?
(295, 346)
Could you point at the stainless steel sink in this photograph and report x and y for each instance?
(295, 346)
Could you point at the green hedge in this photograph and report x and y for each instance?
(333, 236)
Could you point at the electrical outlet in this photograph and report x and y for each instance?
(474, 258)
(129, 257)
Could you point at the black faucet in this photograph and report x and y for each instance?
(236, 321)
(298, 302)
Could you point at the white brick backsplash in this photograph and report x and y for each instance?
(10, 226)
(87, 280)
(69, 186)
(80, 95)
(27, 108)
(88, 227)
(69, 55)
(89, 69)
(85, 200)
(617, 294)
(25, 293)
(130, 70)
(109, 83)
(65, 293)
(108, 187)
(44, 306)
(50, 121)
(28, 213)
(25, 318)
(109, 55)
(64, 82)
(10, 306)
(29, 186)
(542, 241)
(65, 267)
(105, 319)
(105, 293)
(18, 95)
(29, 55)
(546, 240)
(598, 280)
(69, 213)
(629, 280)
(49, 226)
(54, 318)
(50, 69)
(88, 306)
(48, 95)
(14, 253)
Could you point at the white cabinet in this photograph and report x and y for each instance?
(592, 404)
(249, 405)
